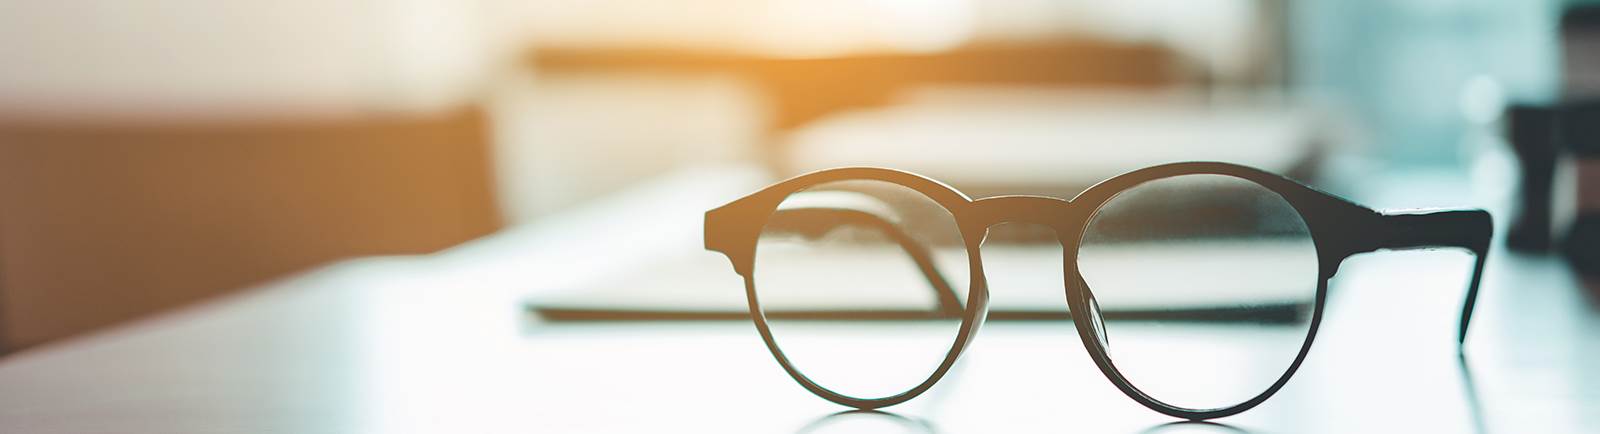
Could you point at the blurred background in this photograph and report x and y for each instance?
(157, 153)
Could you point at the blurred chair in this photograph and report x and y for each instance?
(803, 90)
(101, 222)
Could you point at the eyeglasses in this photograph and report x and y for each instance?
(1197, 288)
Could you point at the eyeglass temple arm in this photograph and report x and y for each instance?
(1467, 229)
(814, 222)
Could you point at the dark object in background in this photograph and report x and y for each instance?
(1544, 136)
(1532, 135)
(1579, 130)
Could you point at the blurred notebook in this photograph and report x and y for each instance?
(1025, 284)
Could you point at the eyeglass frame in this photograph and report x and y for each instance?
(1338, 228)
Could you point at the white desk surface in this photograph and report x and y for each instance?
(443, 344)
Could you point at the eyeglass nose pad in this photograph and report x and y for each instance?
(1096, 321)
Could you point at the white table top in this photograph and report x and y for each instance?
(443, 344)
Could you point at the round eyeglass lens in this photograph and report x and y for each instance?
(1204, 287)
(863, 285)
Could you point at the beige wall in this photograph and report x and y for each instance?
(236, 59)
